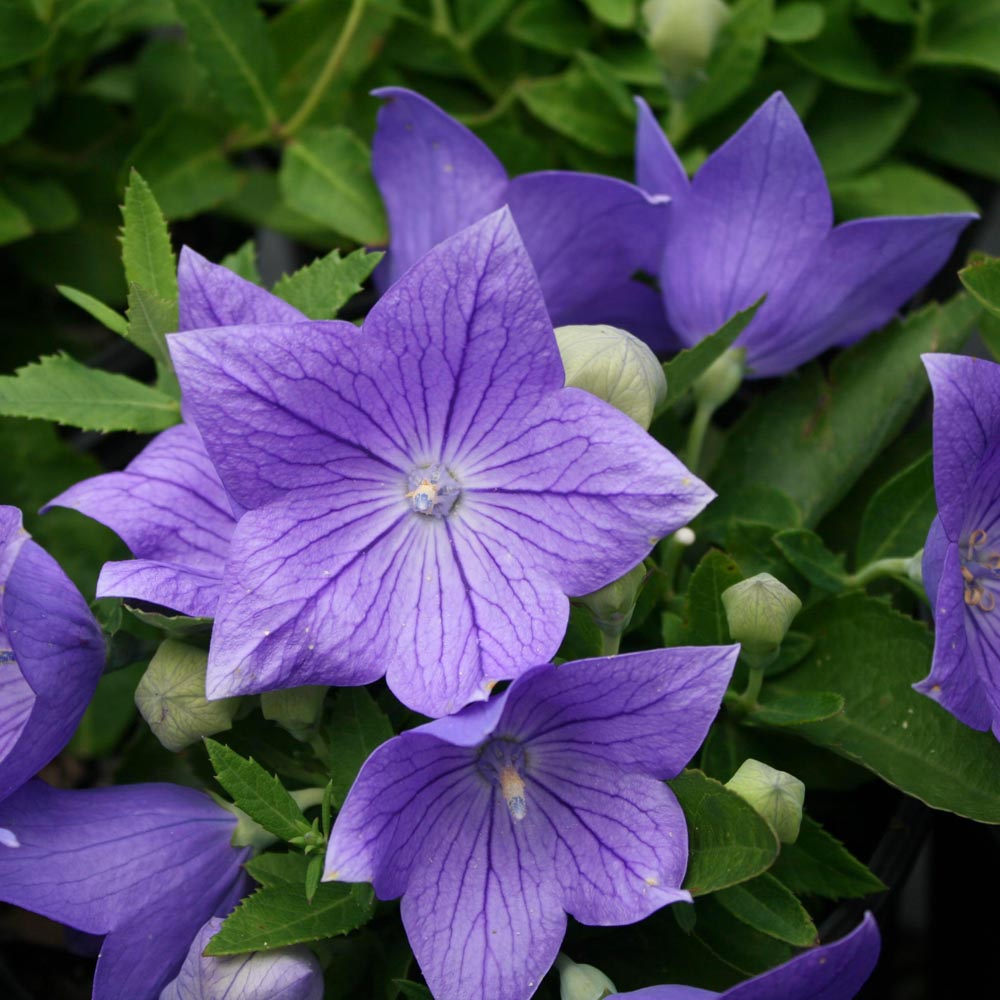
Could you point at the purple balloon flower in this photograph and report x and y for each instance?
(51, 656)
(832, 972)
(549, 799)
(756, 219)
(586, 235)
(145, 865)
(961, 564)
(422, 495)
(282, 974)
(169, 505)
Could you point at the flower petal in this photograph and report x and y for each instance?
(755, 211)
(658, 168)
(435, 176)
(211, 295)
(647, 711)
(587, 236)
(854, 282)
(580, 490)
(935, 549)
(59, 650)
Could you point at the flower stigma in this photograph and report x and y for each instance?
(978, 569)
(501, 762)
(432, 491)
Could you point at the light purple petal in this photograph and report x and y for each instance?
(755, 211)
(647, 711)
(966, 423)
(658, 168)
(854, 282)
(471, 726)
(59, 651)
(435, 176)
(288, 407)
(12, 537)
(935, 550)
(94, 859)
(170, 508)
(16, 702)
(587, 236)
(283, 974)
(581, 490)
(211, 295)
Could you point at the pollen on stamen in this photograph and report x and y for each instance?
(512, 786)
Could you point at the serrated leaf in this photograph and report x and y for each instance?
(58, 388)
(818, 864)
(150, 319)
(321, 289)
(326, 175)
(798, 709)
(230, 42)
(982, 279)
(728, 842)
(104, 315)
(684, 368)
(271, 869)
(704, 612)
(356, 727)
(146, 252)
(899, 515)
(769, 907)
(874, 654)
(243, 261)
(259, 794)
(807, 553)
(278, 916)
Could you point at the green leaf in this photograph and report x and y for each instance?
(313, 874)
(818, 864)
(797, 709)
(853, 130)
(806, 552)
(326, 175)
(14, 224)
(705, 615)
(230, 42)
(175, 626)
(735, 942)
(964, 35)
(813, 435)
(146, 252)
(16, 107)
(104, 315)
(577, 107)
(109, 714)
(413, 991)
(259, 794)
(150, 319)
(58, 388)
(243, 262)
(899, 515)
(272, 869)
(583, 636)
(356, 727)
(618, 13)
(894, 11)
(683, 369)
(797, 22)
(278, 916)
(47, 204)
(321, 289)
(982, 279)
(22, 34)
(556, 26)
(897, 189)
(766, 905)
(735, 59)
(873, 654)
(728, 842)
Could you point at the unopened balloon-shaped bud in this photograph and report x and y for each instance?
(777, 796)
(171, 697)
(682, 33)
(614, 366)
(760, 611)
(717, 383)
(582, 982)
(296, 710)
(612, 606)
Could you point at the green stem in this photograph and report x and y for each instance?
(747, 701)
(328, 72)
(321, 748)
(610, 643)
(306, 798)
(696, 434)
(879, 568)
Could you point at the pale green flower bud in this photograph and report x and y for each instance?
(582, 982)
(760, 611)
(777, 796)
(682, 32)
(296, 710)
(717, 383)
(171, 697)
(614, 366)
(612, 606)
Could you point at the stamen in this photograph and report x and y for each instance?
(977, 538)
(424, 497)
(512, 786)
(987, 602)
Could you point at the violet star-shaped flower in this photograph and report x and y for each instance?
(546, 800)
(961, 563)
(831, 972)
(756, 219)
(282, 974)
(422, 494)
(587, 235)
(145, 865)
(169, 505)
(51, 656)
